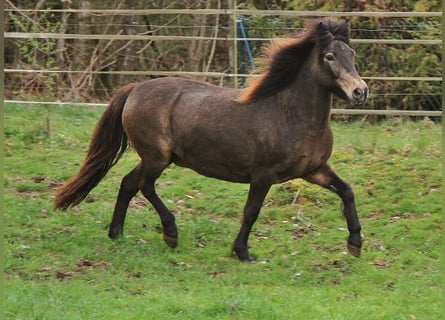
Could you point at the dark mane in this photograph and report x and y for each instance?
(282, 60)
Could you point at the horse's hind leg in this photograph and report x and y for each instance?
(152, 166)
(170, 231)
(326, 177)
(128, 189)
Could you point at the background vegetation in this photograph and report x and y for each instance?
(62, 265)
(84, 57)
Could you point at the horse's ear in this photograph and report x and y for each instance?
(321, 27)
(322, 31)
(345, 32)
(328, 30)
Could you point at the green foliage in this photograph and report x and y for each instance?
(62, 264)
(38, 54)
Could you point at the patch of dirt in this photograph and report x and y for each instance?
(83, 265)
(38, 179)
(301, 231)
(63, 275)
(138, 202)
(381, 263)
(51, 184)
(408, 216)
(376, 215)
(54, 184)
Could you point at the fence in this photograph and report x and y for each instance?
(230, 37)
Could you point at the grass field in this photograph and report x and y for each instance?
(61, 265)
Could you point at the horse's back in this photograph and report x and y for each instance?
(172, 92)
(181, 117)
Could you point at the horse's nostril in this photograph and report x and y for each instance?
(358, 93)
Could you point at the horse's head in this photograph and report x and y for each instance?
(335, 61)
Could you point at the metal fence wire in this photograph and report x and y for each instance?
(85, 55)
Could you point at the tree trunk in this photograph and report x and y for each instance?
(197, 49)
(127, 62)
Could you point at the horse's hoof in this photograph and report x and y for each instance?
(354, 250)
(172, 242)
(244, 257)
(249, 259)
(115, 233)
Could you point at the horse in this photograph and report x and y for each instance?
(274, 130)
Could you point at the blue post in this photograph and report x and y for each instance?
(243, 35)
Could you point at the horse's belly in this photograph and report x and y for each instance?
(219, 172)
(208, 164)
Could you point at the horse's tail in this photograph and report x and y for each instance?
(107, 145)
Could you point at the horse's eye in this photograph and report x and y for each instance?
(330, 56)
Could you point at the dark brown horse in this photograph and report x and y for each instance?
(276, 130)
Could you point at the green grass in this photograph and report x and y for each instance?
(61, 265)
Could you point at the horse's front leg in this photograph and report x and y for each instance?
(327, 178)
(257, 193)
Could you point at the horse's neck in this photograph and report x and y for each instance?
(306, 101)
